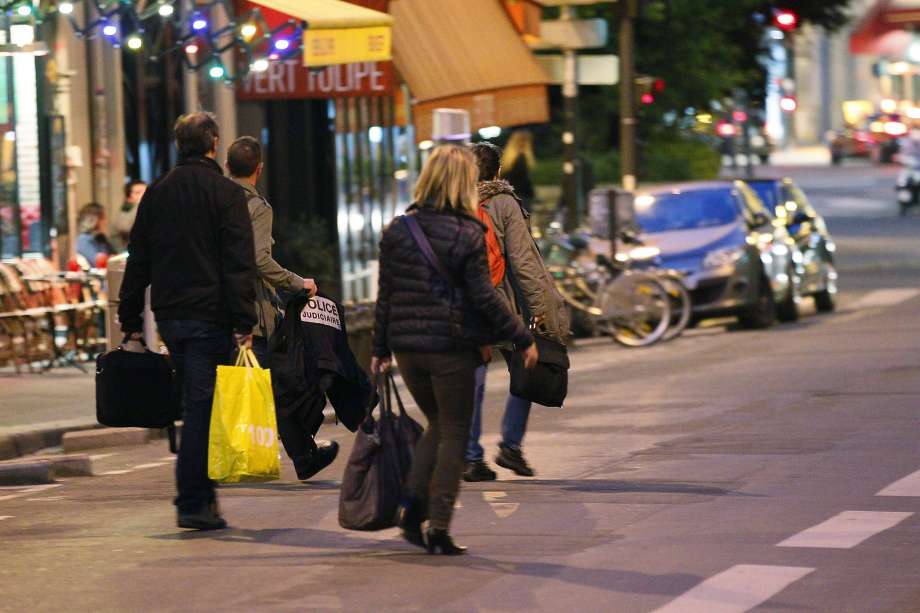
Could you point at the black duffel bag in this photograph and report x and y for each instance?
(137, 390)
(375, 476)
(548, 382)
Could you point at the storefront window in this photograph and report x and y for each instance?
(10, 243)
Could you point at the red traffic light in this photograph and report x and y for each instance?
(788, 104)
(786, 20)
(658, 85)
(647, 98)
(739, 116)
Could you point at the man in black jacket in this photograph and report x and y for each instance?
(192, 244)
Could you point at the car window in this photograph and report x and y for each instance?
(766, 190)
(700, 208)
(752, 202)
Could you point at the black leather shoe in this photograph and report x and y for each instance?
(321, 457)
(478, 470)
(412, 513)
(513, 460)
(439, 541)
(208, 518)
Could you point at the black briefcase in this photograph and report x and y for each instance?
(137, 390)
(548, 382)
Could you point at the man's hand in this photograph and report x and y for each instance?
(309, 286)
(243, 340)
(380, 365)
(486, 352)
(133, 343)
(531, 356)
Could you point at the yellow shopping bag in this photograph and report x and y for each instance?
(243, 443)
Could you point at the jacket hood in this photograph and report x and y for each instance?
(490, 189)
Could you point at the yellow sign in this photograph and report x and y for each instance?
(346, 45)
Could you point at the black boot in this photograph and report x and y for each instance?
(318, 459)
(512, 459)
(412, 512)
(439, 540)
(478, 470)
(208, 518)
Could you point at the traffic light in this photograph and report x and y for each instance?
(647, 87)
(785, 20)
(788, 104)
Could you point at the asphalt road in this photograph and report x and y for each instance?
(726, 471)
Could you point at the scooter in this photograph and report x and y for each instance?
(908, 183)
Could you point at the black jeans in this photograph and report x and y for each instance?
(295, 435)
(197, 348)
(443, 386)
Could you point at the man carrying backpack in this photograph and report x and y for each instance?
(521, 278)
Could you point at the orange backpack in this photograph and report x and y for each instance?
(493, 250)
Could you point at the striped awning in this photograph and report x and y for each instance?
(338, 32)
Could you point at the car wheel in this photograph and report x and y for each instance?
(788, 309)
(824, 300)
(762, 313)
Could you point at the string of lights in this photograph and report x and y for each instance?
(196, 37)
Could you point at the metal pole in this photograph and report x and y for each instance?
(190, 77)
(628, 94)
(569, 146)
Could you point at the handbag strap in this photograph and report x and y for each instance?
(415, 229)
(391, 381)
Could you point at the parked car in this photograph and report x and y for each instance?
(738, 260)
(732, 140)
(792, 208)
(877, 139)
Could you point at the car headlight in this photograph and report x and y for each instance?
(644, 253)
(722, 257)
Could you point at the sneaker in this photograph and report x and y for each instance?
(208, 518)
(513, 460)
(321, 457)
(478, 470)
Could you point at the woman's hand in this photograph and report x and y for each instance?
(486, 352)
(380, 365)
(531, 356)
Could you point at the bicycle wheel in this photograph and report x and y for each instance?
(680, 306)
(634, 309)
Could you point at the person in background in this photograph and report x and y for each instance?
(92, 240)
(517, 161)
(244, 163)
(192, 244)
(528, 289)
(437, 347)
(134, 192)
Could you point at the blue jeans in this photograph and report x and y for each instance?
(197, 348)
(514, 423)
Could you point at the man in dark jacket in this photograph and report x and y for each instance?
(192, 244)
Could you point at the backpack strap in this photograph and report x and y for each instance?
(425, 247)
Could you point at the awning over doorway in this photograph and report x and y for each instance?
(884, 30)
(338, 32)
(466, 54)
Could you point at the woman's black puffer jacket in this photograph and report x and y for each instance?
(413, 312)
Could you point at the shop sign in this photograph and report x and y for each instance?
(290, 80)
(345, 45)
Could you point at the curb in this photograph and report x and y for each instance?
(23, 443)
(27, 473)
(104, 437)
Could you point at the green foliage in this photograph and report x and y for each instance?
(306, 246)
(679, 159)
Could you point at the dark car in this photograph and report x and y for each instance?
(737, 259)
(809, 231)
(877, 139)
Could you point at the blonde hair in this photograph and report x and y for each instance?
(520, 143)
(448, 181)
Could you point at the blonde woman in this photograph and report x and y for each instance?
(436, 307)
(517, 161)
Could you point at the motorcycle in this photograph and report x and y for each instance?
(908, 184)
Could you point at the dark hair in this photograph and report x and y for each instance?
(489, 160)
(244, 156)
(89, 216)
(195, 134)
(130, 186)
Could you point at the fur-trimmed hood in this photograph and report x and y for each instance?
(490, 189)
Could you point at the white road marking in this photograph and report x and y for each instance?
(493, 496)
(169, 458)
(2, 517)
(908, 486)
(738, 589)
(845, 530)
(885, 298)
(504, 509)
(52, 498)
(150, 465)
(101, 456)
(116, 472)
(31, 489)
